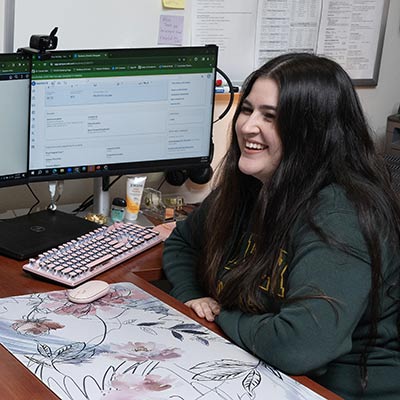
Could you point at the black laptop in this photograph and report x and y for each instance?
(29, 235)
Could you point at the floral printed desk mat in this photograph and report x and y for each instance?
(130, 345)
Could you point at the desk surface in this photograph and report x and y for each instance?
(17, 382)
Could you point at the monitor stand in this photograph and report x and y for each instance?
(101, 195)
(29, 235)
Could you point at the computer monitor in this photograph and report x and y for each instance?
(14, 117)
(27, 235)
(96, 113)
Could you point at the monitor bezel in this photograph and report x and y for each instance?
(148, 166)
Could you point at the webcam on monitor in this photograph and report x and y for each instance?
(44, 42)
(41, 44)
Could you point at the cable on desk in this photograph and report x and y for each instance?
(34, 195)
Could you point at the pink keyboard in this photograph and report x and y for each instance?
(89, 255)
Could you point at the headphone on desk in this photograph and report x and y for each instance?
(204, 174)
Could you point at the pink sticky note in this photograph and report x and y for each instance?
(171, 29)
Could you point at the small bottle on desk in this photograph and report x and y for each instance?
(118, 209)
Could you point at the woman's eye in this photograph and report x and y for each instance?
(269, 116)
(246, 110)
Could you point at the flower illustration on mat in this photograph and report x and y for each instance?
(129, 386)
(77, 310)
(144, 351)
(58, 303)
(35, 326)
(118, 298)
(151, 383)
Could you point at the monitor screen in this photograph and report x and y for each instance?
(14, 112)
(118, 111)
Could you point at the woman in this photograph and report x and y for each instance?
(296, 253)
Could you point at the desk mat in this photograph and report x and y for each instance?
(130, 345)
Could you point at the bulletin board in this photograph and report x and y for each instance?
(248, 33)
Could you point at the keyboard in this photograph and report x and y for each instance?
(79, 260)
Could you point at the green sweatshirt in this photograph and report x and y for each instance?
(313, 337)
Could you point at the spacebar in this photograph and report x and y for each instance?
(99, 261)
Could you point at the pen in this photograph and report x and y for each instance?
(225, 89)
(222, 89)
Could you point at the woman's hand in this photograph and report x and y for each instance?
(205, 307)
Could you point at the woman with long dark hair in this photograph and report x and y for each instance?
(296, 252)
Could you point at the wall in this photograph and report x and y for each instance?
(378, 102)
(384, 99)
(94, 23)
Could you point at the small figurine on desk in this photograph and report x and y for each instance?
(98, 218)
(295, 254)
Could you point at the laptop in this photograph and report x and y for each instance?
(29, 235)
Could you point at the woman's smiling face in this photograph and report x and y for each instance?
(259, 142)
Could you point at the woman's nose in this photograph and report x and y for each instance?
(251, 124)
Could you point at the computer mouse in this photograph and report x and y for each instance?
(88, 291)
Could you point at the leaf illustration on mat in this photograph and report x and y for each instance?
(44, 350)
(156, 308)
(220, 370)
(70, 349)
(186, 326)
(71, 354)
(129, 322)
(202, 340)
(177, 335)
(191, 329)
(193, 332)
(148, 330)
(251, 381)
(145, 327)
(273, 370)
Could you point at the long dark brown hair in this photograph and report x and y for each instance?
(325, 139)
